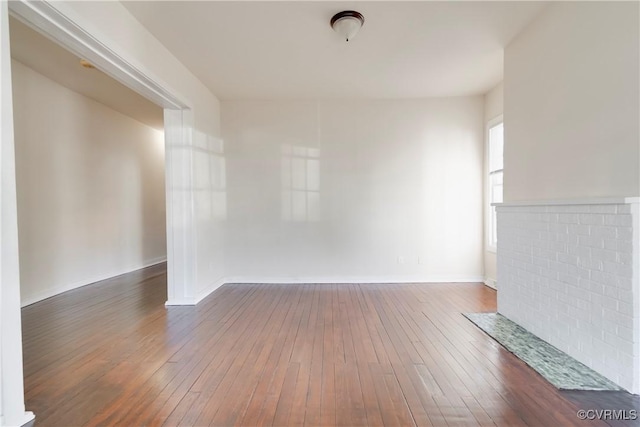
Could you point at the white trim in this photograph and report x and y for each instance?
(201, 295)
(12, 407)
(568, 202)
(43, 17)
(486, 204)
(32, 299)
(495, 121)
(180, 302)
(209, 290)
(490, 283)
(26, 418)
(181, 240)
(313, 280)
(283, 280)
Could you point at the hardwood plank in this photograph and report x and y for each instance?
(369, 396)
(294, 355)
(328, 394)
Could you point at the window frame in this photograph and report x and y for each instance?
(489, 245)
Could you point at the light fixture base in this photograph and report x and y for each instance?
(347, 23)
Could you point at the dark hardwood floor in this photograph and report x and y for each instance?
(284, 355)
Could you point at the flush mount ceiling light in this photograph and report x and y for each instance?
(347, 23)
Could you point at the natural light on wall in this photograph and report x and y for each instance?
(210, 177)
(300, 183)
(496, 149)
(158, 137)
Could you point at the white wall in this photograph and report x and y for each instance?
(493, 107)
(12, 408)
(568, 248)
(393, 190)
(493, 102)
(91, 202)
(572, 104)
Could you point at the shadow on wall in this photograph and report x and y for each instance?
(153, 203)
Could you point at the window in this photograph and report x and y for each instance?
(495, 156)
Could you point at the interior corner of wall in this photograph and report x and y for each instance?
(208, 290)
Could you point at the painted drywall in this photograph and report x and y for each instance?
(12, 408)
(572, 104)
(344, 191)
(493, 107)
(91, 194)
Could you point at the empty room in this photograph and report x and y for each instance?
(320, 213)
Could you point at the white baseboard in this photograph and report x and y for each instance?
(195, 300)
(25, 419)
(207, 291)
(298, 280)
(293, 280)
(182, 301)
(31, 299)
(490, 283)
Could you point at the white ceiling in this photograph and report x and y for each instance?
(287, 50)
(50, 59)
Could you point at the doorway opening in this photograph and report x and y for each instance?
(89, 170)
(47, 20)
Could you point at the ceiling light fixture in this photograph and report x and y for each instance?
(347, 23)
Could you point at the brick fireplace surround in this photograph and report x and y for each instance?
(569, 272)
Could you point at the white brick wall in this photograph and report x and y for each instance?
(568, 273)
